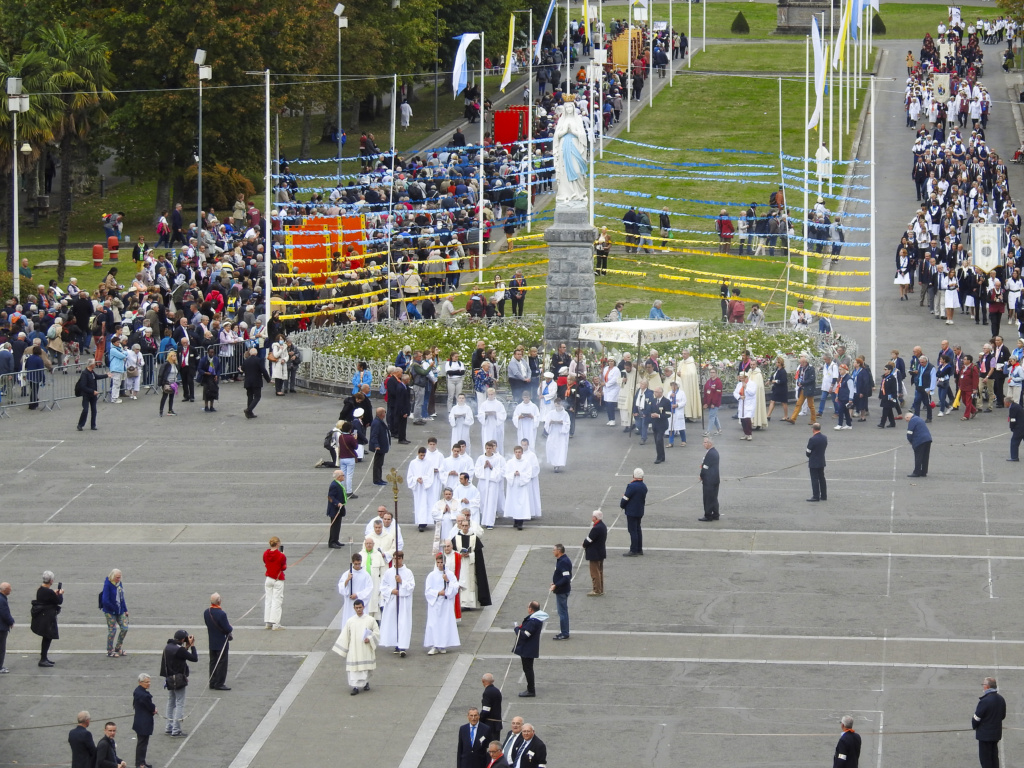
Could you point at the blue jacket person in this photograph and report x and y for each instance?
(632, 502)
(527, 645)
(988, 723)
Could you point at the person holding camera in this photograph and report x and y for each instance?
(179, 650)
(45, 608)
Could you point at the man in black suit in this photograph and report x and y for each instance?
(220, 629)
(337, 498)
(83, 748)
(490, 705)
(106, 749)
(495, 757)
(254, 374)
(710, 480)
(527, 646)
(988, 723)
(399, 405)
(89, 391)
(380, 442)
(848, 748)
(658, 414)
(816, 463)
(513, 741)
(1000, 357)
(534, 753)
(595, 552)
(633, 502)
(474, 737)
(1016, 419)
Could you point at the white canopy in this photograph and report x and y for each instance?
(636, 332)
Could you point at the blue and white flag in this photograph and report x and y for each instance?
(820, 65)
(539, 48)
(459, 72)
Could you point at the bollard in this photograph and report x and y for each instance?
(97, 255)
(113, 245)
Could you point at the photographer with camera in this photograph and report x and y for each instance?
(179, 650)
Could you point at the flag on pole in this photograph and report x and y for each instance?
(459, 75)
(506, 78)
(586, 19)
(820, 65)
(843, 29)
(941, 82)
(539, 48)
(856, 17)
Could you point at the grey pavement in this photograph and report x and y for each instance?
(737, 644)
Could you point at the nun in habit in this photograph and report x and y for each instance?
(548, 391)
(492, 416)
(461, 419)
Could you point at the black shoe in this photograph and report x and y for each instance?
(1013, 459)
(355, 692)
(247, 414)
(560, 636)
(421, 528)
(630, 554)
(367, 686)
(914, 474)
(45, 663)
(220, 688)
(404, 442)
(381, 482)
(80, 428)
(336, 545)
(707, 519)
(527, 695)
(814, 499)
(93, 429)
(353, 496)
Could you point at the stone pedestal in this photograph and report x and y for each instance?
(794, 16)
(571, 297)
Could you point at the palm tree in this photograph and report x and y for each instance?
(78, 73)
(35, 128)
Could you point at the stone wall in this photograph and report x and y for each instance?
(794, 16)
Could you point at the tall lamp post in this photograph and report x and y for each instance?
(16, 102)
(205, 73)
(339, 9)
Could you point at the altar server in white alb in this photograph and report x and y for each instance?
(531, 456)
(435, 459)
(461, 419)
(518, 473)
(396, 591)
(441, 589)
(525, 419)
(455, 465)
(357, 644)
(476, 591)
(556, 427)
(490, 474)
(467, 496)
(492, 416)
(547, 393)
(354, 584)
(420, 479)
(446, 509)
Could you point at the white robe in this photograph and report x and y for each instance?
(468, 497)
(387, 535)
(760, 418)
(492, 491)
(436, 459)
(461, 419)
(442, 631)
(747, 403)
(444, 514)
(361, 587)
(548, 392)
(525, 418)
(556, 427)
(678, 421)
(531, 457)
(690, 378)
(492, 416)
(396, 624)
(518, 496)
(611, 377)
(376, 564)
(384, 543)
(423, 493)
(452, 468)
(467, 570)
(360, 656)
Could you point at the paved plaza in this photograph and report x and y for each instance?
(737, 643)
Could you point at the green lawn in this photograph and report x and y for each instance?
(752, 57)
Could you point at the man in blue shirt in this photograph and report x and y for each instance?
(920, 437)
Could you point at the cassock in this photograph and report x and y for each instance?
(421, 479)
(556, 426)
(491, 486)
(525, 418)
(492, 416)
(548, 392)
(518, 501)
(746, 404)
(376, 564)
(461, 419)
(442, 631)
(468, 497)
(760, 417)
(476, 592)
(452, 467)
(443, 518)
(690, 378)
(396, 621)
(360, 656)
(436, 459)
(531, 457)
(361, 586)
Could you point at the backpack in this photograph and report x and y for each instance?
(329, 441)
(476, 306)
(78, 390)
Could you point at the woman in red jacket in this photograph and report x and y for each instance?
(276, 564)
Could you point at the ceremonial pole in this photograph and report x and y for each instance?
(480, 190)
(529, 138)
(650, 56)
(671, 46)
(689, 33)
(267, 276)
(393, 477)
(874, 270)
(629, 72)
(391, 189)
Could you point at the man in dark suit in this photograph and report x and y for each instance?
(490, 706)
(89, 390)
(337, 498)
(495, 757)
(527, 646)
(595, 552)
(710, 480)
(220, 636)
(659, 413)
(641, 407)
(803, 380)
(83, 748)
(925, 383)
(399, 406)
(848, 749)
(474, 737)
(254, 374)
(920, 438)
(106, 749)
(513, 741)
(1000, 357)
(534, 753)
(816, 463)
(1016, 420)
(142, 724)
(380, 442)
(988, 723)
(633, 502)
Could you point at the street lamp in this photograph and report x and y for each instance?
(339, 9)
(16, 102)
(205, 73)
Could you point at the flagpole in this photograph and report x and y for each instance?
(849, 73)
(568, 45)
(807, 137)
(529, 137)
(831, 81)
(629, 72)
(480, 190)
(782, 183)
(593, 135)
(391, 188)
(650, 56)
(820, 109)
(704, 33)
(689, 33)
(671, 43)
(874, 338)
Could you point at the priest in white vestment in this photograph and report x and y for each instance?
(445, 511)
(492, 416)
(547, 393)
(440, 589)
(357, 644)
(354, 584)
(518, 474)
(389, 529)
(453, 466)
(421, 478)
(556, 427)
(476, 591)
(490, 474)
(461, 419)
(525, 418)
(686, 368)
(531, 456)
(467, 496)
(375, 563)
(396, 591)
